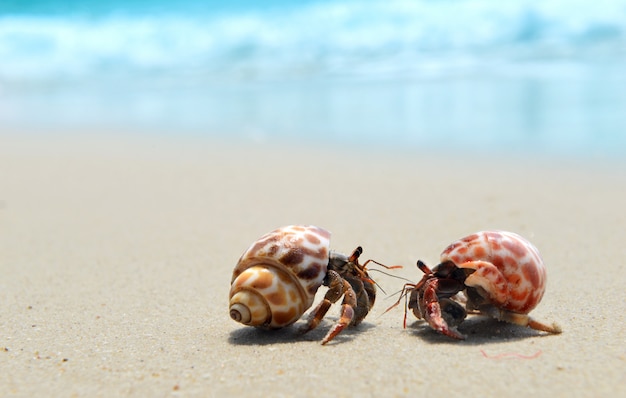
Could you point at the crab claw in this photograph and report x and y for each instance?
(433, 316)
(431, 309)
(452, 312)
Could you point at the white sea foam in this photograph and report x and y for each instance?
(345, 37)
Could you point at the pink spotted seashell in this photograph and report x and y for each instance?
(507, 267)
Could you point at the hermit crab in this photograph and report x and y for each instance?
(275, 281)
(500, 273)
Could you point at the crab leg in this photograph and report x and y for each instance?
(347, 313)
(365, 297)
(337, 287)
(522, 320)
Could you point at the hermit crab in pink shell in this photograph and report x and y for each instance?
(277, 277)
(500, 273)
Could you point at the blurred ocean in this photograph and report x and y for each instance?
(520, 75)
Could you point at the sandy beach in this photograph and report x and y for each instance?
(116, 256)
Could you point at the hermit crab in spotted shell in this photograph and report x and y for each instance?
(275, 281)
(500, 273)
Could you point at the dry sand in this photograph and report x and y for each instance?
(116, 256)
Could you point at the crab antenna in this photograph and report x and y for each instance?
(366, 277)
(382, 265)
(390, 275)
(362, 268)
(380, 287)
(393, 294)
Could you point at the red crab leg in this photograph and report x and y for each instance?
(406, 290)
(524, 320)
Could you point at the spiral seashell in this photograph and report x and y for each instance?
(275, 280)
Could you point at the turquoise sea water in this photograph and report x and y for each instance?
(520, 75)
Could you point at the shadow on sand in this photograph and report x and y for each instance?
(479, 330)
(254, 336)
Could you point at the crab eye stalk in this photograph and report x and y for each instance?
(354, 257)
(423, 267)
